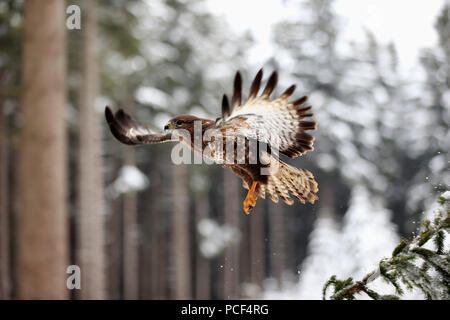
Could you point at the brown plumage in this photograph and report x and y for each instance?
(237, 94)
(278, 124)
(225, 107)
(270, 86)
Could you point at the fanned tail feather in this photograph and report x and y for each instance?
(290, 181)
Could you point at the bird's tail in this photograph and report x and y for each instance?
(289, 181)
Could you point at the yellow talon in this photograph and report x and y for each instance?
(250, 200)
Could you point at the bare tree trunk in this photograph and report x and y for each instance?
(91, 245)
(257, 245)
(42, 227)
(157, 237)
(113, 231)
(245, 249)
(203, 267)
(289, 245)
(277, 238)
(150, 222)
(5, 276)
(181, 243)
(130, 225)
(156, 253)
(231, 217)
(162, 254)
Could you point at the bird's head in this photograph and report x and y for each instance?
(184, 121)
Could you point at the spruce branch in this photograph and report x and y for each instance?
(411, 264)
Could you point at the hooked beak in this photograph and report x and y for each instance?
(168, 126)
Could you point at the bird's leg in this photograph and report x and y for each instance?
(250, 200)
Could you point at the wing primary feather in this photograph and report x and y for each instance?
(277, 122)
(129, 131)
(225, 107)
(308, 125)
(271, 84)
(256, 84)
(237, 93)
(289, 91)
(302, 111)
(123, 118)
(109, 115)
(300, 101)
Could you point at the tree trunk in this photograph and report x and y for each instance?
(181, 243)
(42, 227)
(113, 226)
(245, 248)
(231, 218)
(257, 245)
(5, 276)
(277, 238)
(130, 225)
(90, 185)
(151, 225)
(203, 268)
(289, 245)
(156, 224)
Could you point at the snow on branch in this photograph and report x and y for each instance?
(422, 263)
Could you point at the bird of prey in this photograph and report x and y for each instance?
(277, 124)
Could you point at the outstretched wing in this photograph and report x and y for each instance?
(278, 122)
(129, 131)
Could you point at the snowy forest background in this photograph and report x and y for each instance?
(142, 228)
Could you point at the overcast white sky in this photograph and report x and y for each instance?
(409, 24)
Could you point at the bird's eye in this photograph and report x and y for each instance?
(179, 122)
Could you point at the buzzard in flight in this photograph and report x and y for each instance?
(247, 139)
